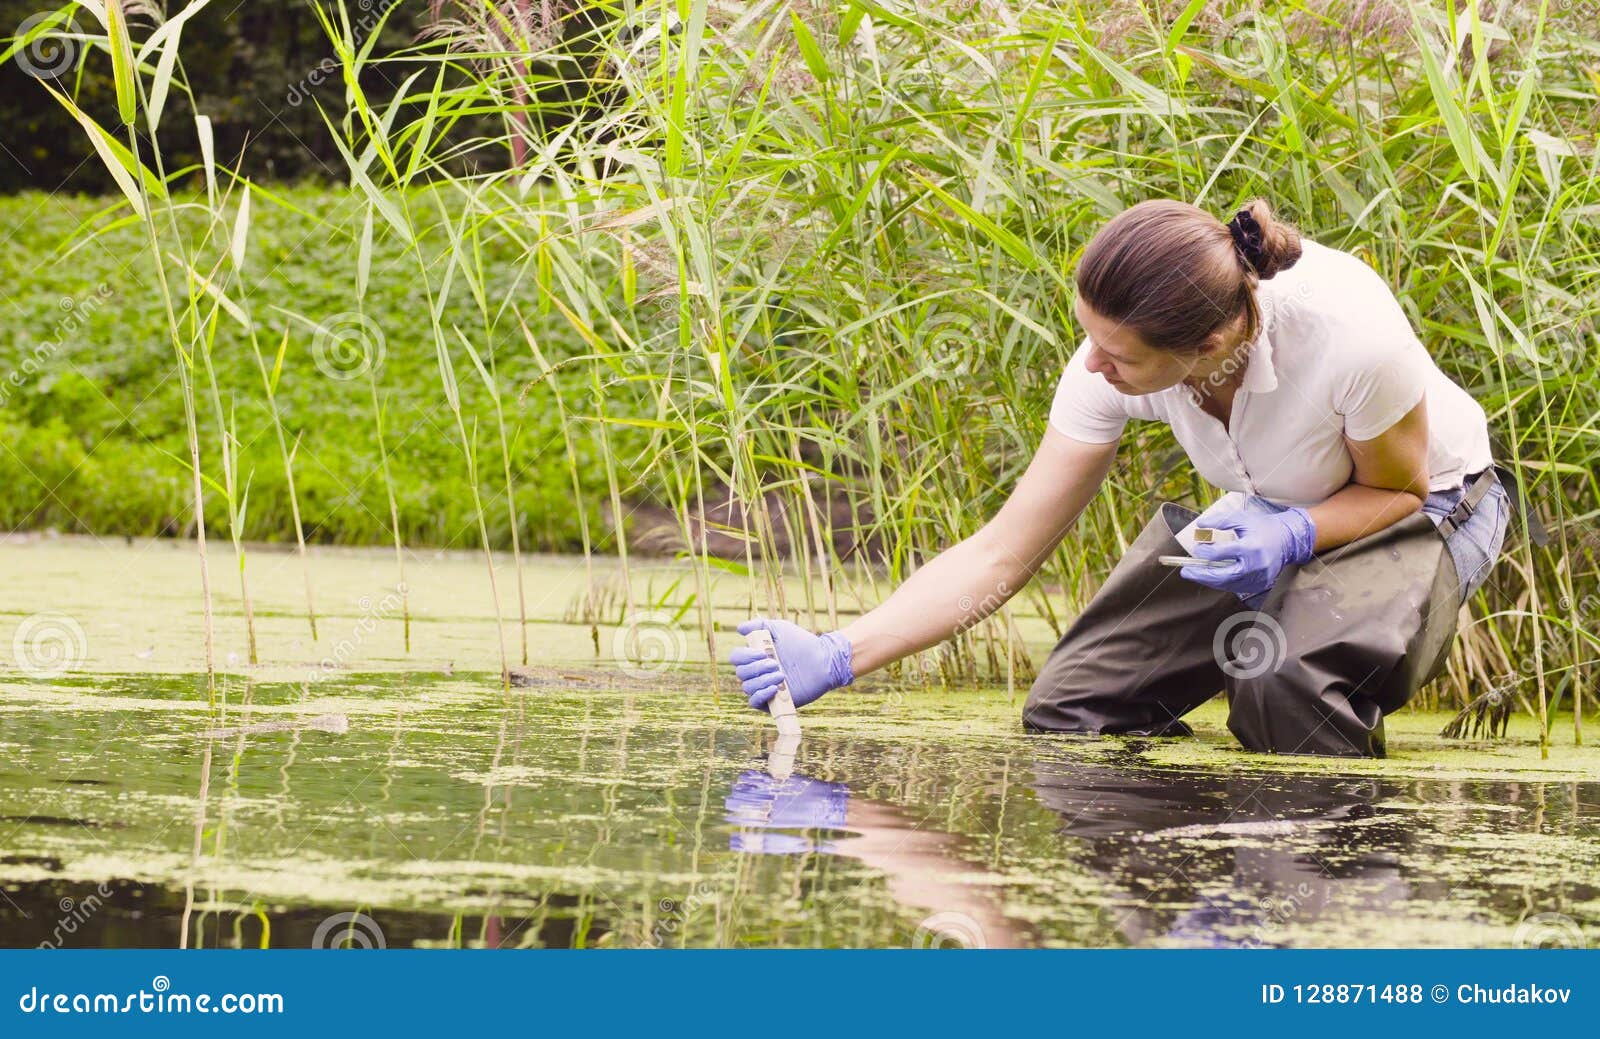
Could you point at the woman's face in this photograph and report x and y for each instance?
(1118, 355)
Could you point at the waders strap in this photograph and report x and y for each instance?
(1534, 526)
(1531, 524)
(1481, 482)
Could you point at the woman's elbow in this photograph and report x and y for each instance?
(1006, 567)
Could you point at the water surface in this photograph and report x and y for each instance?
(409, 799)
(448, 812)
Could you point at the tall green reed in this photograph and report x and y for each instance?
(816, 258)
(144, 186)
(832, 242)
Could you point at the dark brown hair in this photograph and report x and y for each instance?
(1175, 274)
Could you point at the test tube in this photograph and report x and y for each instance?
(782, 704)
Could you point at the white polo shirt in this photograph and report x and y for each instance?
(1336, 358)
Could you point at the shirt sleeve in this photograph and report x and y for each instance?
(1380, 391)
(1086, 407)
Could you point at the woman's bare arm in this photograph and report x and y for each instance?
(1390, 483)
(973, 578)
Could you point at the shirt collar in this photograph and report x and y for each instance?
(1259, 374)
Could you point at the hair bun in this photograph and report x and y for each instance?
(1265, 244)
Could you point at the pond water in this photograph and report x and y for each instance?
(402, 801)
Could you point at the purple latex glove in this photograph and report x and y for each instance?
(1268, 542)
(763, 808)
(811, 664)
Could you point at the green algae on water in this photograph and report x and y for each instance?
(451, 813)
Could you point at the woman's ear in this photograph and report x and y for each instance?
(1215, 345)
(1225, 340)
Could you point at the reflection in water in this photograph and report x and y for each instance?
(920, 866)
(1185, 857)
(453, 815)
(129, 914)
(767, 810)
(1227, 859)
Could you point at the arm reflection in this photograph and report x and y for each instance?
(921, 867)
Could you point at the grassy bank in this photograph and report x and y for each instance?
(92, 436)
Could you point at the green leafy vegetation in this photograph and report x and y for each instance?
(93, 427)
(820, 254)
